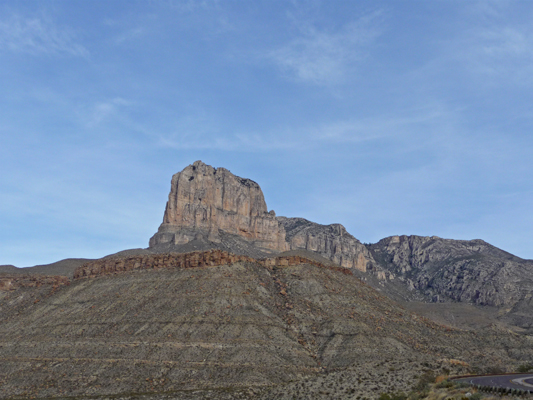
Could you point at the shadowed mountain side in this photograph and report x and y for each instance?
(218, 327)
(226, 242)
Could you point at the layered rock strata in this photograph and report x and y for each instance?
(212, 258)
(12, 282)
(212, 208)
(163, 333)
(204, 200)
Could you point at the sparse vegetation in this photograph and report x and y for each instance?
(444, 384)
(444, 389)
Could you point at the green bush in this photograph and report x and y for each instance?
(392, 396)
(424, 381)
(444, 384)
(495, 369)
(525, 368)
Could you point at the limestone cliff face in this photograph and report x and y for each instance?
(204, 200)
(330, 241)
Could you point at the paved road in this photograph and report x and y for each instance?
(515, 381)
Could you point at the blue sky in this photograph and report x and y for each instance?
(390, 117)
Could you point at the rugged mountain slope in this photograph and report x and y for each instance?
(463, 271)
(216, 209)
(163, 328)
(7, 268)
(269, 310)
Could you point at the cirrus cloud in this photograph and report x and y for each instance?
(38, 36)
(326, 57)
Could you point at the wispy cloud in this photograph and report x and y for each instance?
(368, 129)
(498, 45)
(38, 36)
(324, 57)
(129, 35)
(506, 41)
(202, 132)
(103, 110)
(215, 140)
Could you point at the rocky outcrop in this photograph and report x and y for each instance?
(209, 206)
(211, 258)
(204, 201)
(11, 282)
(330, 241)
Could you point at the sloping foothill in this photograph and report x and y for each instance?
(243, 324)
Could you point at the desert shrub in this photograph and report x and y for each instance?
(424, 381)
(392, 396)
(495, 370)
(444, 384)
(525, 368)
(460, 385)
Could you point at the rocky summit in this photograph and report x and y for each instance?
(230, 301)
(212, 206)
(204, 201)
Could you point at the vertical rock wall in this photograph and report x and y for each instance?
(204, 200)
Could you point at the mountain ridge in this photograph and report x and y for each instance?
(211, 208)
(219, 307)
(413, 267)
